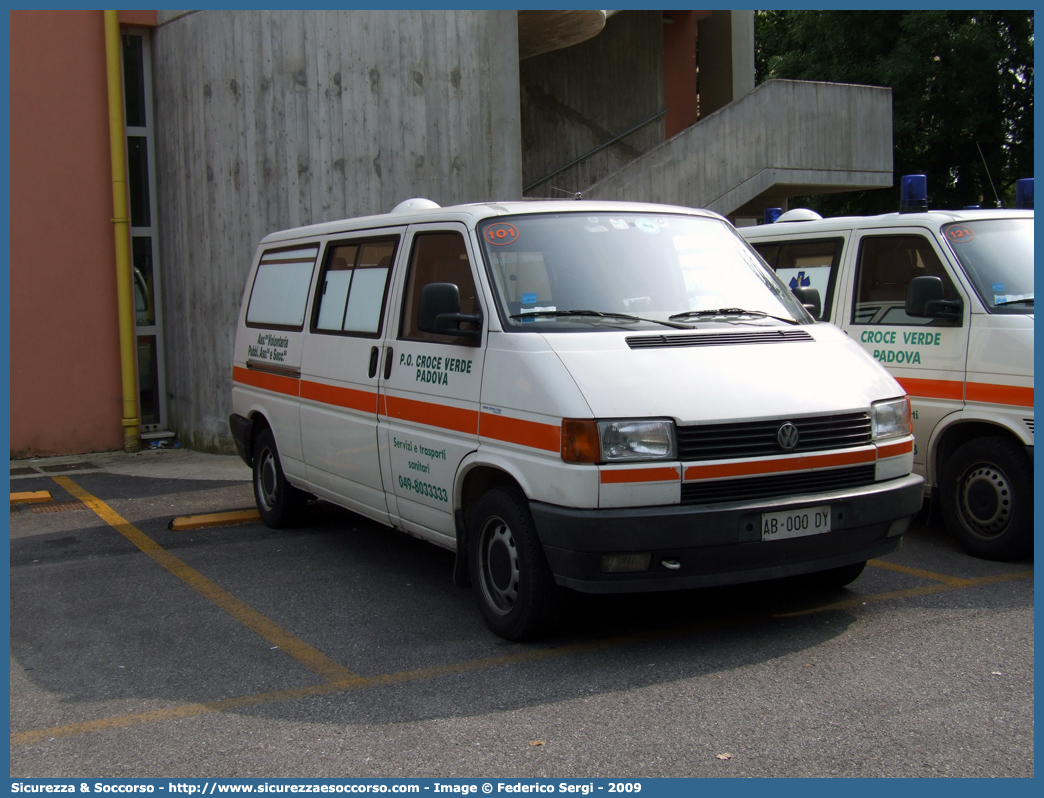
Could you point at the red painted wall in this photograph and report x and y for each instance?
(65, 355)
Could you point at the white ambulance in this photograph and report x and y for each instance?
(606, 397)
(944, 300)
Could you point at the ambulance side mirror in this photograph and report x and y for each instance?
(924, 299)
(809, 297)
(439, 312)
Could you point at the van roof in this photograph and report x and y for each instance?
(473, 213)
(932, 219)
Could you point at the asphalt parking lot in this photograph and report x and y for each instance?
(341, 648)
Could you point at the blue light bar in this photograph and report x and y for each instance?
(1024, 193)
(913, 196)
(771, 214)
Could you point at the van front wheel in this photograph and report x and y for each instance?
(278, 502)
(513, 584)
(987, 498)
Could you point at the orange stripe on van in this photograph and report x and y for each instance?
(615, 476)
(517, 430)
(458, 419)
(340, 397)
(266, 382)
(999, 394)
(780, 466)
(933, 389)
(894, 449)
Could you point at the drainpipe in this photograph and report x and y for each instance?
(121, 229)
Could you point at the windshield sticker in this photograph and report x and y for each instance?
(598, 228)
(661, 222)
(959, 234)
(998, 287)
(501, 234)
(535, 312)
(619, 224)
(647, 225)
(529, 299)
(592, 219)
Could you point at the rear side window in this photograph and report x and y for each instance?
(806, 264)
(886, 266)
(279, 296)
(353, 287)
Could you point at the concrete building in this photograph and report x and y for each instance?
(237, 123)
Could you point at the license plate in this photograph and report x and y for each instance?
(795, 523)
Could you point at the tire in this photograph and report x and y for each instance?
(832, 579)
(279, 503)
(986, 493)
(513, 584)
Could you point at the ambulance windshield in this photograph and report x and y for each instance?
(997, 256)
(618, 266)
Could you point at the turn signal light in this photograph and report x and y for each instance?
(580, 441)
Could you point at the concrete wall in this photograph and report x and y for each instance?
(784, 138)
(65, 353)
(579, 97)
(270, 120)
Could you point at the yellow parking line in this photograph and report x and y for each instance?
(31, 497)
(956, 581)
(191, 710)
(939, 587)
(249, 617)
(184, 522)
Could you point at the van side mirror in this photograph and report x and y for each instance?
(439, 312)
(809, 297)
(924, 299)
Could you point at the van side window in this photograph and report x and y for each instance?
(806, 264)
(279, 295)
(353, 287)
(886, 266)
(437, 258)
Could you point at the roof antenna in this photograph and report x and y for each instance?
(576, 194)
(988, 175)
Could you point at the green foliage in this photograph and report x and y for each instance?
(958, 79)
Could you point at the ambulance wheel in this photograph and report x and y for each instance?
(278, 502)
(986, 491)
(833, 578)
(513, 584)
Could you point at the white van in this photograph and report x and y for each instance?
(944, 300)
(607, 397)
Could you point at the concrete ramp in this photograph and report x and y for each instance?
(785, 138)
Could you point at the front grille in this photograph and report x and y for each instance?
(758, 438)
(790, 485)
(718, 339)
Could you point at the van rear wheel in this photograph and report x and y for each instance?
(279, 503)
(513, 584)
(986, 492)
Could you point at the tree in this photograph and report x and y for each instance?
(960, 80)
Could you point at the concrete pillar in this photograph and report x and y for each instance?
(726, 58)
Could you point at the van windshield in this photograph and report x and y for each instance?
(997, 256)
(615, 267)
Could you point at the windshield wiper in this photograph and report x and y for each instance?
(532, 314)
(1024, 301)
(698, 314)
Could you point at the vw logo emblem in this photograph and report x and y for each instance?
(787, 436)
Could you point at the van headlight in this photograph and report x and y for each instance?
(890, 418)
(588, 441)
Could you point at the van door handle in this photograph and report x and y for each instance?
(374, 352)
(388, 362)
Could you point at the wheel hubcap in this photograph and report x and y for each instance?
(267, 480)
(985, 500)
(499, 566)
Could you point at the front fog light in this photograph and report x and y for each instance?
(626, 563)
(636, 440)
(890, 418)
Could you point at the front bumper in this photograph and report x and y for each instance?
(721, 544)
